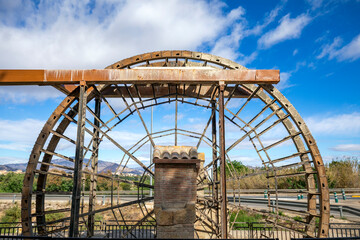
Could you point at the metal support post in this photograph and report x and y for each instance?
(215, 167)
(94, 168)
(75, 204)
(176, 116)
(151, 148)
(222, 163)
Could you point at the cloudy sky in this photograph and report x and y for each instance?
(314, 43)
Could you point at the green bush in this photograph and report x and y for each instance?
(11, 182)
(11, 215)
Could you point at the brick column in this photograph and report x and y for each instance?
(175, 197)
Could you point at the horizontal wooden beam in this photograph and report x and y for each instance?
(138, 76)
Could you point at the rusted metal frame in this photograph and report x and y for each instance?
(97, 118)
(231, 95)
(198, 95)
(205, 129)
(139, 96)
(123, 219)
(269, 214)
(176, 120)
(126, 103)
(252, 128)
(284, 227)
(232, 225)
(61, 88)
(213, 95)
(101, 210)
(215, 166)
(52, 211)
(132, 153)
(280, 141)
(75, 203)
(56, 165)
(87, 148)
(33, 161)
(183, 93)
(104, 99)
(169, 92)
(66, 138)
(272, 125)
(58, 155)
(292, 174)
(152, 86)
(109, 76)
(137, 224)
(121, 148)
(142, 120)
(247, 101)
(142, 179)
(223, 210)
(129, 93)
(275, 169)
(206, 217)
(131, 111)
(94, 167)
(117, 169)
(300, 147)
(54, 173)
(289, 157)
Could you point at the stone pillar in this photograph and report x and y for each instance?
(175, 197)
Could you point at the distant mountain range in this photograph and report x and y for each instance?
(103, 166)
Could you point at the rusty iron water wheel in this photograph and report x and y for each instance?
(276, 111)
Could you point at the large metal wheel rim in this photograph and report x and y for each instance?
(309, 141)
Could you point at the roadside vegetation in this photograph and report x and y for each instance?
(341, 172)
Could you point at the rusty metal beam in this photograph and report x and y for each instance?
(188, 91)
(79, 157)
(138, 76)
(223, 209)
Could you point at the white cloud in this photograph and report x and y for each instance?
(315, 3)
(295, 52)
(340, 125)
(350, 52)
(284, 80)
(8, 160)
(19, 134)
(25, 94)
(83, 34)
(72, 35)
(227, 45)
(289, 28)
(347, 147)
(330, 49)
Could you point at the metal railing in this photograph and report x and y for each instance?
(240, 230)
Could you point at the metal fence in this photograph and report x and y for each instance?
(259, 230)
(242, 230)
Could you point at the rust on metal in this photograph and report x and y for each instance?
(138, 76)
(184, 77)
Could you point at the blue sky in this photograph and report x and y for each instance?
(314, 43)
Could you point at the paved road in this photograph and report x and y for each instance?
(350, 207)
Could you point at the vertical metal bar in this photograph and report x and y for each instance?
(75, 204)
(222, 163)
(215, 166)
(94, 168)
(151, 148)
(176, 116)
